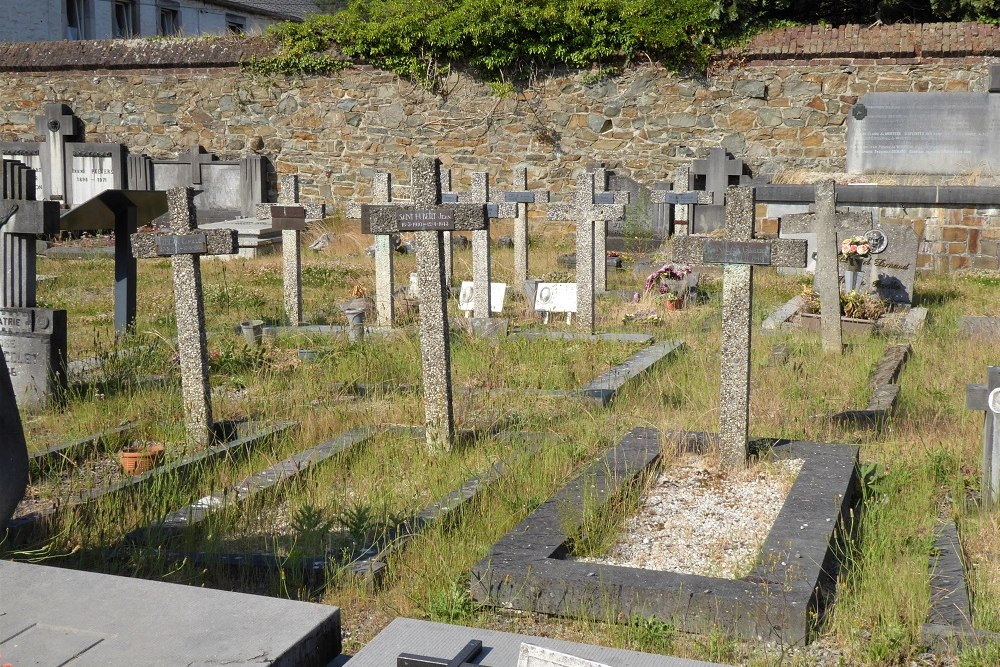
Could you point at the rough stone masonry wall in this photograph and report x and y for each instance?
(781, 108)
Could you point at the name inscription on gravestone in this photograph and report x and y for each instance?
(717, 251)
(16, 321)
(181, 244)
(428, 220)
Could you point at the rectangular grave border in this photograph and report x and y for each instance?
(74, 451)
(369, 562)
(976, 326)
(779, 601)
(885, 391)
(949, 621)
(21, 529)
(787, 317)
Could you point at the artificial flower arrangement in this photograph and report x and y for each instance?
(854, 249)
(657, 280)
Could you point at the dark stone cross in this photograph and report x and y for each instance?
(825, 222)
(986, 398)
(738, 253)
(681, 198)
(521, 196)
(184, 244)
(719, 171)
(13, 449)
(586, 211)
(385, 311)
(461, 659)
(430, 220)
(22, 221)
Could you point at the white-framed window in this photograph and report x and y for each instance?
(77, 19)
(169, 18)
(124, 19)
(236, 24)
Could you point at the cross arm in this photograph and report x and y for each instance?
(385, 218)
(596, 213)
(612, 197)
(771, 252)
(208, 242)
(976, 395)
(670, 197)
(802, 223)
(526, 197)
(31, 216)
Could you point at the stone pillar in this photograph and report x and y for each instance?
(521, 230)
(600, 246)
(291, 253)
(826, 277)
(384, 256)
(479, 193)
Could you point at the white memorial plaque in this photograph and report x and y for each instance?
(466, 296)
(90, 177)
(531, 655)
(555, 298)
(993, 401)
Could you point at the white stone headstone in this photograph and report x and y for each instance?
(555, 298)
(91, 175)
(531, 655)
(467, 296)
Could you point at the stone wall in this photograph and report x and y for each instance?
(783, 113)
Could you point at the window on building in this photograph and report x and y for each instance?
(236, 25)
(124, 22)
(76, 17)
(170, 19)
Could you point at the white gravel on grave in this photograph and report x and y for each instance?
(695, 520)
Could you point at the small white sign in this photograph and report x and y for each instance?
(466, 296)
(993, 401)
(531, 655)
(555, 298)
(414, 286)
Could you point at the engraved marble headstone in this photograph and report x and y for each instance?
(738, 253)
(184, 244)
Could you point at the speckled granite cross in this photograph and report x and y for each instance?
(603, 196)
(738, 252)
(521, 196)
(986, 398)
(385, 310)
(290, 218)
(429, 219)
(184, 244)
(825, 222)
(585, 210)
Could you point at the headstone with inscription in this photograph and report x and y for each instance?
(429, 219)
(184, 243)
(587, 212)
(738, 253)
(521, 196)
(924, 133)
(825, 223)
(384, 252)
(93, 168)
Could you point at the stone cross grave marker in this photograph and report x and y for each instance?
(13, 449)
(521, 196)
(290, 218)
(479, 193)
(57, 125)
(184, 244)
(681, 198)
(825, 223)
(33, 339)
(986, 398)
(603, 196)
(385, 311)
(719, 172)
(447, 195)
(586, 211)
(738, 253)
(429, 220)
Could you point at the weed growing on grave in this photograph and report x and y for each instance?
(451, 605)
(592, 527)
(986, 655)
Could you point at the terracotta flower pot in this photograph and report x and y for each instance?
(673, 304)
(138, 461)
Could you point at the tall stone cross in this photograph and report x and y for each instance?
(479, 193)
(22, 221)
(290, 218)
(825, 222)
(719, 172)
(385, 311)
(447, 196)
(986, 398)
(584, 209)
(681, 198)
(521, 196)
(603, 196)
(184, 244)
(430, 220)
(738, 253)
(57, 125)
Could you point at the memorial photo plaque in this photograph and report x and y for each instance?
(717, 251)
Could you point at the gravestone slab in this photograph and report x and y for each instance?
(923, 133)
(128, 621)
(894, 271)
(13, 449)
(34, 346)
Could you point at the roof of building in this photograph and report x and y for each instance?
(282, 9)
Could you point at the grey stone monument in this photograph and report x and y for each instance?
(385, 311)
(603, 196)
(681, 198)
(586, 212)
(429, 220)
(184, 244)
(718, 171)
(447, 195)
(738, 253)
(986, 398)
(521, 196)
(291, 220)
(825, 222)
(481, 273)
(33, 339)
(13, 449)
(58, 125)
